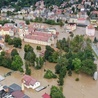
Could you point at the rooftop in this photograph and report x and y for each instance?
(46, 96)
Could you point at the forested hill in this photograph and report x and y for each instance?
(27, 3)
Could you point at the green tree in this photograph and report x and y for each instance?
(38, 19)
(55, 56)
(95, 40)
(14, 52)
(88, 67)
(39, 62)
(6, 62)
(28, 48)
(62, 61)
(56, 92)
(73, 9)
(61, 23)
(1, 59)
(30, 57)
(60, 81)
(49, 74)
(9, 13)
(10, 41)
(58, 45)
(3, 53)
(17, 42)
(77, 64)
(27, 22)
(17, 62)
(38, 48)
(57, 69)
(48, 53)
(28, 70)
(7, 37)
(63, 71)
(69, 72)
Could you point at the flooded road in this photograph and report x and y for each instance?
(86, 87)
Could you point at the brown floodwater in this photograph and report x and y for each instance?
(86, 87)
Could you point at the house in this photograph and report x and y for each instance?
(30, 82)
(13, 91)
(90, 30)
(88, 3)
(5, 10)
(6, 30)
(52, 30)
(22, 31)
(72, 20)
(70, 27)
(94, 18)
(59, 11)
(82, 22)
(46, 96)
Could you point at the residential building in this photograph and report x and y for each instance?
(30, 82)
(6, 30)
(70, 27)
(90, 30)
(82, 22)
(5, 10)
(13, 91)
(46, 95)
(94, 18)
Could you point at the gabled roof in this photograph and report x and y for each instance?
(95, 12)
(38, 38)
(15, 87)
(18, 94)
(46, 96)
(29, 80)
(90, 27)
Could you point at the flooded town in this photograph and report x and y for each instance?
(49, 50)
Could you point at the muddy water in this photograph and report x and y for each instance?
(85, 88)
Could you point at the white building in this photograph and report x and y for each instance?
(90, 30)
(6, 30)
(52, 30)
(30, 82)
(4, 10)
(70, 27)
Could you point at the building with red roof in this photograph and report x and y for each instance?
(7, 30)
(39, 38)
(30, 82)
(46, 96)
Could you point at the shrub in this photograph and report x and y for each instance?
(28, 71)
(10, 41)
(38, 48)
(70, 72)
(49, 74)
(21, 70)
(60, 81)
(77, 79)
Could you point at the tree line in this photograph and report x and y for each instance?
(28, 3)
